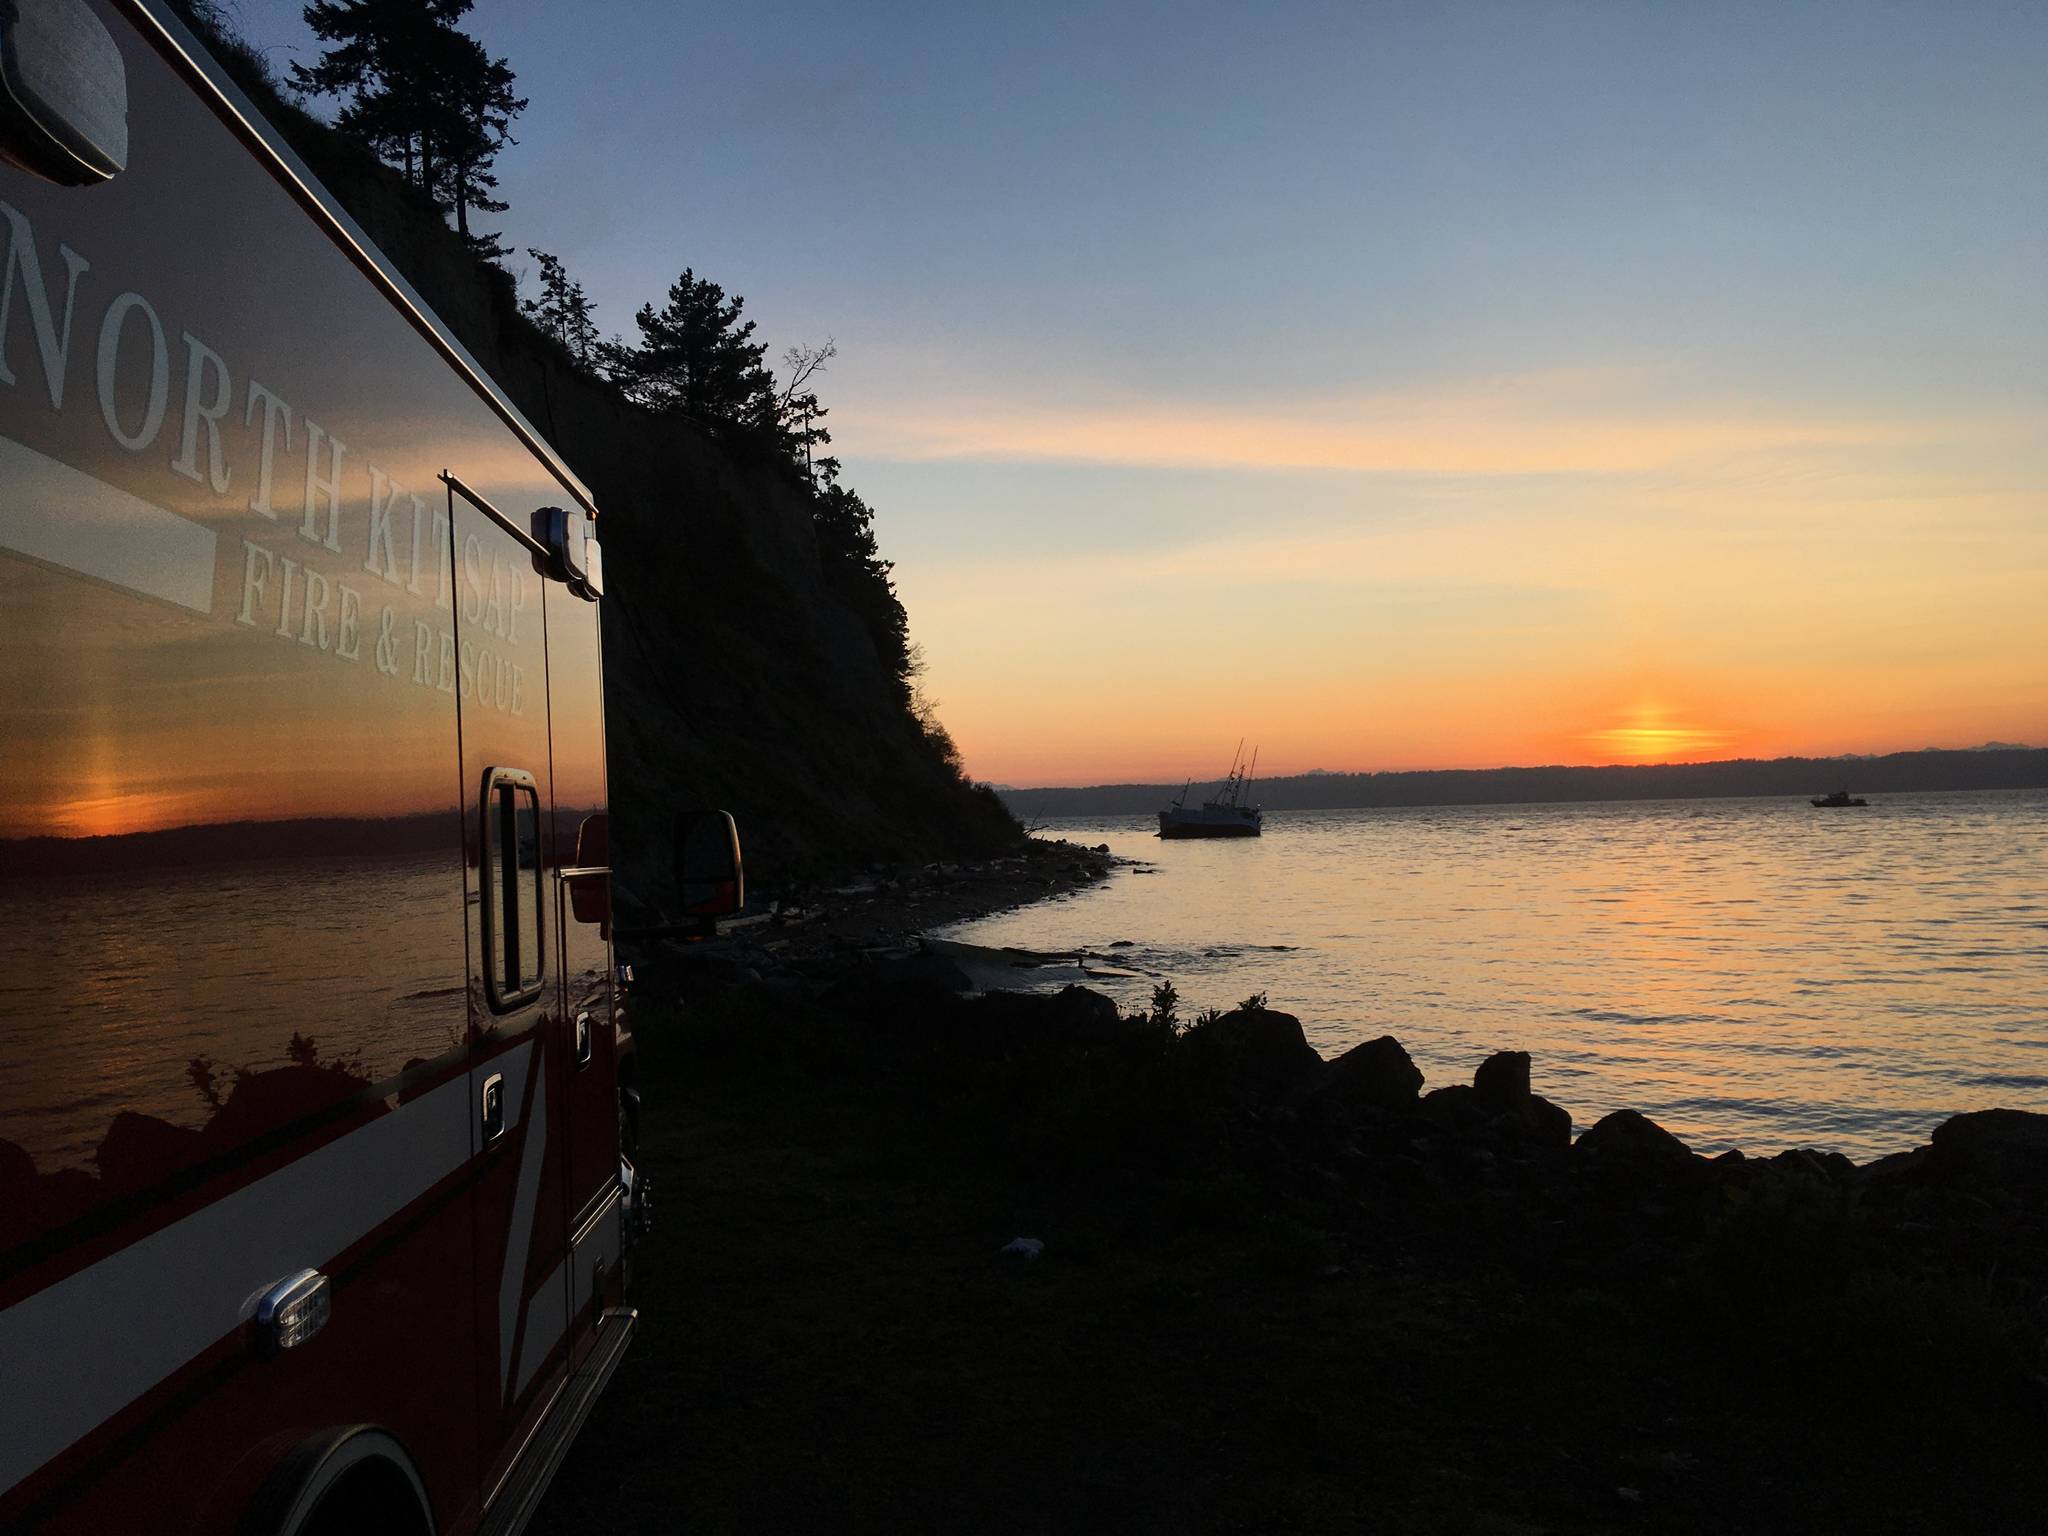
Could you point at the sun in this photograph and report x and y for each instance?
(1655, 734)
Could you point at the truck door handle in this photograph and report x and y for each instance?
(493, 1109)
(586, 1041)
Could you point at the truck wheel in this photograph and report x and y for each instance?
(352, 1482)
(369, 1502)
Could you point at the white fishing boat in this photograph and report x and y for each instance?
(1228, 814)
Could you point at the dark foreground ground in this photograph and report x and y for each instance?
(1277, 1295)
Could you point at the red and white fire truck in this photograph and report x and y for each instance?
(313, 1200)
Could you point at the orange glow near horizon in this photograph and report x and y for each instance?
(1358, 659)
(1653, 736)
(1431, 719)
(1672, 596)
(1015, 762)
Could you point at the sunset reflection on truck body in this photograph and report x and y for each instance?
(273, 619)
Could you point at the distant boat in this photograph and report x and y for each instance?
(1841, 799)
(1226, 815)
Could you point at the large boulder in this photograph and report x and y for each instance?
(1376, 1074)
(1500, 1092)
(262, 1102)
(1502, 1081)
(140, 1150)
(17, 1168)
(1072, 1013)
(1263, 1047)
(1544, 1124)
(1895, 1169)
(1628, 1141)
(1810, 1163)
(1454, 1107)
(923, 971)
(2003, 1149)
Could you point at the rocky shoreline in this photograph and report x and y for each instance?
(1340, 1293)
(885, 912)
(864, 949)
(1622, 1199)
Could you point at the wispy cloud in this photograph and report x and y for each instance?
(1569, 422)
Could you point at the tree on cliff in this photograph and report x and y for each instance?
(854, 567)
(800, 418)
(563, 310)
(424, 96)
(696, 355)
(475, 115)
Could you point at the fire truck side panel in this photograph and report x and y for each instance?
(510, 858)
(575, 706)
(257, 889)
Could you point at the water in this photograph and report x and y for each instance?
(1749, 973)
(110, 986)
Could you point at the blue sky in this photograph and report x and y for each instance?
(1453, 307)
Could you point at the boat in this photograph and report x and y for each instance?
(1839, 800)
(1226, 815)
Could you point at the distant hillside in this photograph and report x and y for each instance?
(1995, 767)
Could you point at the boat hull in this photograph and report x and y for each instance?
(1194, 825)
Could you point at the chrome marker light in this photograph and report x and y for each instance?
(292, 1311)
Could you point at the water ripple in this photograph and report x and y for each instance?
(1750, 971)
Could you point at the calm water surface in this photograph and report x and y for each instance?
(110, 986)
(1749, 973)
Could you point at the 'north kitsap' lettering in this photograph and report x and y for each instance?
(406, 536)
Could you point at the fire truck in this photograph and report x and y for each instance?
(315, 1199)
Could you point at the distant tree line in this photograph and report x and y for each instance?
(1991, 767)
(429, 101)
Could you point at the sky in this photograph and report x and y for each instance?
(1389, 386)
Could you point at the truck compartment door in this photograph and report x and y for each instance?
(496, 638)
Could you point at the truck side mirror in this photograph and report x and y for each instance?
(63, 93)
(569, 534)
(710, 879)
(590, 886)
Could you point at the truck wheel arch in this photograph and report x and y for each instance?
(356, 1478)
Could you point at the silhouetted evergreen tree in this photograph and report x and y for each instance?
(856, 570)
(378, 68)
(563, 310)
(697, 355)
(475, 115)
(424, 96)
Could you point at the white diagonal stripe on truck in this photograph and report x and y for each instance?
(519, 1236)
(74, 1354)
(63, 516)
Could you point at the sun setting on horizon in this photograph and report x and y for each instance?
(1652, 736)
(1803, 606)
